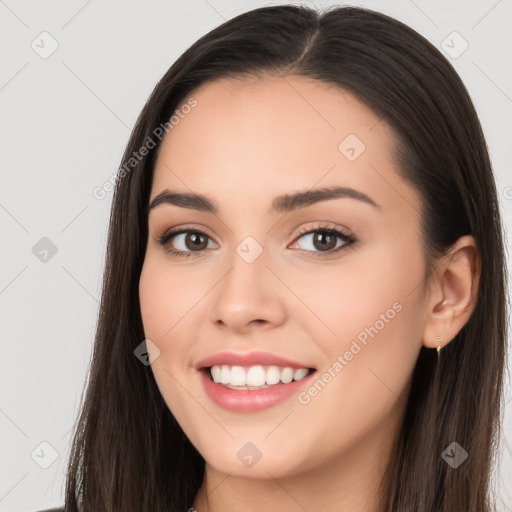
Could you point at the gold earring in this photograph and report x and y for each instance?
(438, 349)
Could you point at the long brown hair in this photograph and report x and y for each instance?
(128, 452)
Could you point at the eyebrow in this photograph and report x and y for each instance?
(283, 203)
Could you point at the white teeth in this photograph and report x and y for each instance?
(238, 377)
(216, 373)
(300, 374)
(273, 375)
(287, 375)
(255, 376)
(225, 374)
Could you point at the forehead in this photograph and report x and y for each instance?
(293, 102)
(273, 135)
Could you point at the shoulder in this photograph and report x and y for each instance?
(61, 509)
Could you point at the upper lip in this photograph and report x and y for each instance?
(248, 359)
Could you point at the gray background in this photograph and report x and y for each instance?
(65, 121)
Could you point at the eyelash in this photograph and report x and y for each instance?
(349, 240)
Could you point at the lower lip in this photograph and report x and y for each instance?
(245, 400)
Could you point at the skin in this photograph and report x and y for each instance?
(242, 145)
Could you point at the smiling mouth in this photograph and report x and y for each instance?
(256, 377)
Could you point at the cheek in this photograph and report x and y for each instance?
(163, 307)
(172, 304)
(378, 280)
(166, 295)
(355, 295)
(374, 313)
(163, 310)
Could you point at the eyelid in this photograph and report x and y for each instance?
(324, 226)
(169, 233)
(346, 235)
(302, 231)
(341, 233)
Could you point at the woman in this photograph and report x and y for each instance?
(304, 296)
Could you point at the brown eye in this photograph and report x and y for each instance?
(323, 240)
(185, 242)
(195, 241)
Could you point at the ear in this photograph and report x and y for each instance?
(453, 293)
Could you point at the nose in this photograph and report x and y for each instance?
(248, 297)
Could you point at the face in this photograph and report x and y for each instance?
(333, 285)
